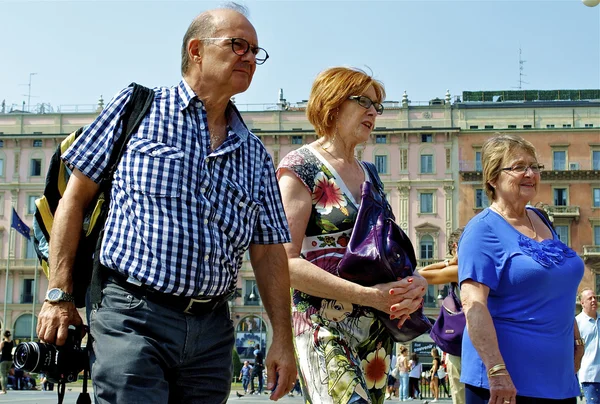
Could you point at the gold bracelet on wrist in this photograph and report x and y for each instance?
(495, 369)
(579, 342)
(499, 374)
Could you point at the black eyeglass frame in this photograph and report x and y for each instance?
(255, 49)
(360, 99)
(537, 170)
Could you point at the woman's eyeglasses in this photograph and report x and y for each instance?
(366, 102)
(522, 168)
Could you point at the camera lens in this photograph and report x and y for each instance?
(33, 356)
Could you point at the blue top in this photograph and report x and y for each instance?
(590, 363)
(533, 286)
(182, 215)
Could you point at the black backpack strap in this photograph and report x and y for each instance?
(138, 106)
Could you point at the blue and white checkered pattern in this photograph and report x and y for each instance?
(182, 216)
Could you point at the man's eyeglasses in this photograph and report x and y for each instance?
(522, 168)
(366, 102)
(240, 47)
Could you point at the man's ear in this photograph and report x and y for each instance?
(195, 49)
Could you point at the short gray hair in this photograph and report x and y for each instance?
(203, 26)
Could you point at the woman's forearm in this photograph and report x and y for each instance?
(483, 333)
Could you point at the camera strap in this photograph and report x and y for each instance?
(60, 391)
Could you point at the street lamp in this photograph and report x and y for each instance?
(252, 297)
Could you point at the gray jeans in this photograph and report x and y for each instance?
(149, 353)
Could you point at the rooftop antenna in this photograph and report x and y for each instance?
(29, 93)
(521, 68)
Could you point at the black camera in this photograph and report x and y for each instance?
(60, 364)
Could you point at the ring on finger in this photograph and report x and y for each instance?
(506, 401)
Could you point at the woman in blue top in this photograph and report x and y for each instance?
(518, 287)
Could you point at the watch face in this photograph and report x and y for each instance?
(54, 294)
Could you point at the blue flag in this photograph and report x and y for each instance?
(19, 226)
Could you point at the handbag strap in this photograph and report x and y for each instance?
(453, 287)
(376, 180)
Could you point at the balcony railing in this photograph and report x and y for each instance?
(555, 211)
(591, 251)
(424, 262)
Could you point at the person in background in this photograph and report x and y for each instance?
(257, 370)
(403, 368)
(441, 273)
(442, 375)
(245, 374)
(414, 376)
(587, 321)
(194, 191)
(434, 380)
(343, 350)
(6, 359)
(392, 381)
(518, 289)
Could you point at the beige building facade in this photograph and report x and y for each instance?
(426, 154)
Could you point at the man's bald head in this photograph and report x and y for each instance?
(205, 26)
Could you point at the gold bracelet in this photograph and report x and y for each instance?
(579, 342)
(499, 374)
(495, 369)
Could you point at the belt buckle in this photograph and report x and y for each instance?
(194, 301)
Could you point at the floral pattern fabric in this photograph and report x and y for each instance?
(343, 350)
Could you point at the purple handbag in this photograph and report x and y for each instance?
(379, 252)
(447, 332)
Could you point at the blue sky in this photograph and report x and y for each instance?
(83, 49)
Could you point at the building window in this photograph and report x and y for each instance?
(596, 235)
(35, 168)
(489, 126)
(296, 139)
(550, 126)
(30, 252)
(481, 199)
(589, 125)
(403, 159)
(526, 126)
(560, 197)
(31, 204)
(1, 143)
(426, 247)
(478, 161)
(426, 202)
(426, 163)
(27, 295)
(473, 127)
(512, 126)
(596, 160)
(381, 164)
(596, 196)
(37, 143)
(566, 125)
(251, 297)
(563, 233)
(426, 138)
(448, 159)
(559, 160)
(1, 167)
(381, 139)
(23, 326)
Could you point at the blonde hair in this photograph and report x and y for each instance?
(331, 88)
(493, 153)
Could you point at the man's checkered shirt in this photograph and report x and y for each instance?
(182, 216)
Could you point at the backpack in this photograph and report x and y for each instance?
(93, 223)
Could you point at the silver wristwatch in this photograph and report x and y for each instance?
(56, 295)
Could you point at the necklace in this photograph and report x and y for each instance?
(528, 218)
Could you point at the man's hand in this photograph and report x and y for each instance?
(281, 368)
(54, 320)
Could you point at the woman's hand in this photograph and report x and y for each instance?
(400, 298)
(502, 390)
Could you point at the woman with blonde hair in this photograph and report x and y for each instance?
(343, 350)
(518, 287)
(434, 380)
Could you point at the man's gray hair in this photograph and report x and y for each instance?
(204, 26)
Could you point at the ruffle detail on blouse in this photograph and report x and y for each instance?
(547, 253)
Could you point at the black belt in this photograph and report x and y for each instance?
(195, 306)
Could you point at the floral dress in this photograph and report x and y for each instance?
(343, 351)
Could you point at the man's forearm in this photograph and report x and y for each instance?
(64, 240)
(272, 277)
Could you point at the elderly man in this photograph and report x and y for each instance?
(587, 321)
(194, 190)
